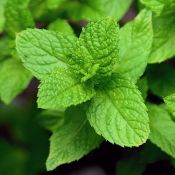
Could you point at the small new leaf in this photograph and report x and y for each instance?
(96, 51)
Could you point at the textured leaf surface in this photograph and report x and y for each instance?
(42, 51)
(61, 26)
(73, 140)
(162, 129)
(161, 79)
(96, 51)
(135, 45)
(119, 114)
(160, 6)
(18, 16)
(154, 5)
(61, 89)
(170, 102)
(14, 78)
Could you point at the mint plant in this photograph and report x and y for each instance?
(91, 69)
(105, 70)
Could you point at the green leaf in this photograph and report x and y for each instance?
(164, 85)
(5, 50)
(118, 114)
(143, 87)
(160, 7)
(135, 45)
(170, 102)
(116, 8)
(2, 17)
(96, 51)
(93, 10)
(164, 38)
(53, 4)
(62, 26)
(18, 16)
(154, 5)
(73, 140)
(164, 29)
(14, 78)
(51, 119)
(61, 89)
(162, 129)
(43, 51)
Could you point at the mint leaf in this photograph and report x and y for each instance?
(163, 27)
(5, 50)
(93, 10)
(155, 5)
(62, 26)
(73, 140)
(162, 129)
(62, 89)
(51, 119)
(135, 45)
(42, 51)
(116, 8)
(18, 16)
(119, 114)
(53, 4)
(164, 39)
(165, 85)
(170, 102)
(143, 87)
(160, 7)
(14, 78)
(96, 50)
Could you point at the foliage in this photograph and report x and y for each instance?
(97, 80)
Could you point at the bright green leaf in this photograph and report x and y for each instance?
(170, 102)
(53, 4)
(42, 51)
(62, 26)
(18, 16)
(162, 129)
(61, 89)
(73, 140)
(135, 45)
(119, 114)
(96, 51)
(14, 78)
